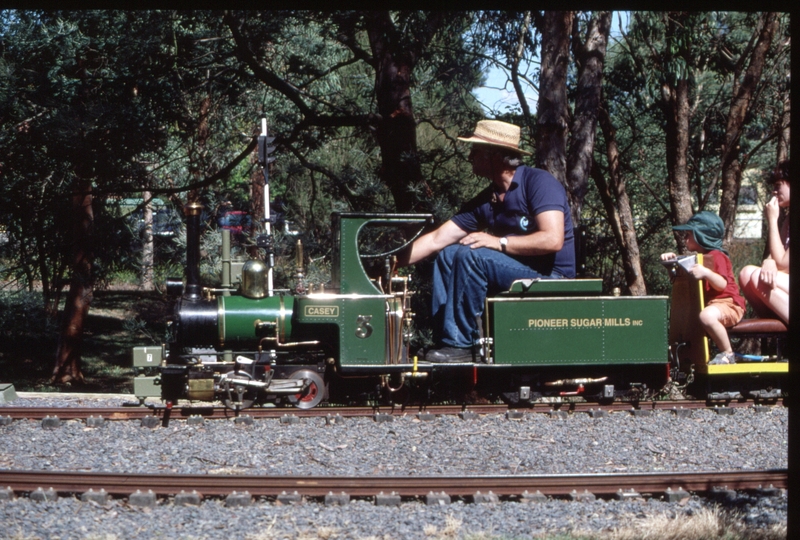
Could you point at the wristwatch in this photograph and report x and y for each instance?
(503, 244)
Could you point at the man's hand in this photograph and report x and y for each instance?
(479, 240)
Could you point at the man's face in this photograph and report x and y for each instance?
(481, 160)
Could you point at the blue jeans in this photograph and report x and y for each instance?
(462, 278)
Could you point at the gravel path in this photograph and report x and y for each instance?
(535, 444)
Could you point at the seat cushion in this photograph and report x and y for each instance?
(759, 326)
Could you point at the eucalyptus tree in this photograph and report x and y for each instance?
(703, 72)
(353, 76)
(90, 99)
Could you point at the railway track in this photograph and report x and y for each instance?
(218, 412)
(404, 486)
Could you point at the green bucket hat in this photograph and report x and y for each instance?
(708, 230)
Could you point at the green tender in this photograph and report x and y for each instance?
(579, 330)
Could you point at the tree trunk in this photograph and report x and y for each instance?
(147, 244)
(553, 112)
(677, 141)
(79, 298)
(397, 128)
(784, 129)
(740, 105)
(515, 80)
(590, 57)
(618, 206)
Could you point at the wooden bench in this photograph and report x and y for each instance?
(762, 328)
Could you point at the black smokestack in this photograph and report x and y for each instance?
(192, 212)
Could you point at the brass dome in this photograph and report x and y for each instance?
(254, 279)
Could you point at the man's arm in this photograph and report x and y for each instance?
(549, 237)
(432, 242)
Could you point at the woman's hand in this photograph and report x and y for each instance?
(768, 272)
(772, 210)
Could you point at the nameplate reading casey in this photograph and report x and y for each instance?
(322, 311)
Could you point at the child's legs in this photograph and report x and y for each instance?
(716, 317)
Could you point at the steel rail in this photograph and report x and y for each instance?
(132, 413)
(409, 486)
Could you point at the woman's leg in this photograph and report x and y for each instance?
(767, 302)
(748, 281)
(778, 297)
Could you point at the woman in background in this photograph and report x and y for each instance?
(767, 287)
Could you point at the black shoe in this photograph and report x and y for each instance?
(449, 354)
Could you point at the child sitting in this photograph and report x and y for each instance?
(724, 305)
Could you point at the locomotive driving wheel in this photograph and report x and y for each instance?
(237, 397)
(313, 394)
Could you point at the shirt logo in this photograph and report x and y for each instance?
(523, 223)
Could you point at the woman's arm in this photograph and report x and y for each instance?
(774, 241)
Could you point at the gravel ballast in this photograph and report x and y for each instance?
(406, 446)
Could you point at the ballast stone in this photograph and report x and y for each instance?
(150, 422)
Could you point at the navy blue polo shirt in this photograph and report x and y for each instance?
(532, 191)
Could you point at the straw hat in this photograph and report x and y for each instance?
(496, 133)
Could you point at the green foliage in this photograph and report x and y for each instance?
(167, 101)
(659, 48)
(23, 321)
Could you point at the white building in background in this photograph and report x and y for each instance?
(750, 210)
